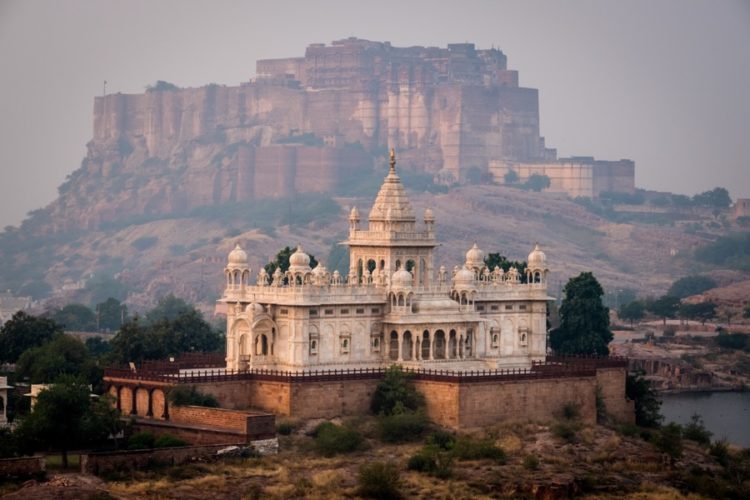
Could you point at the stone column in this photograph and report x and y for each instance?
(400, 337)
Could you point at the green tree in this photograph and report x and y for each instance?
(647, 404)
(584, 321)
(101, 287)
(690, 285)
(281, 261)
(168, 308)
(63, 419)
(60, 355)
(702, 311)
(395, 393)
(632, 311)
(510, 177)
(715, 198)
(665, 307)
(112, 314)
(97, 346)
(75, 317)
(24, 331)
(185, 333)
(134, 344)
(746, 312)
(537, 182)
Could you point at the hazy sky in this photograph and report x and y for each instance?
(664, 83)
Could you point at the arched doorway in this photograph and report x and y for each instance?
(393, 346)
(440, 344)
(406, 348)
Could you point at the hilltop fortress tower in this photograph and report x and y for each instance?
(391, 308)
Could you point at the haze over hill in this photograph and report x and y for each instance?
(174, 177)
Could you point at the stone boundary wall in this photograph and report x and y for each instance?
(251, 424)
(611, 385)
(189, 433)
(109, 461)
(22, 466)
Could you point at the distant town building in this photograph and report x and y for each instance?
(4, 388)
(742, 208)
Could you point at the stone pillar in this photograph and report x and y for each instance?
(400, 336)
(432, 346)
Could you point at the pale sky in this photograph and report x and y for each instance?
(664, 83)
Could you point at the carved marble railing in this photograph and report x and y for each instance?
(362, 236)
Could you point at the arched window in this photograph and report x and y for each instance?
(425, 345)
(440, 344)
(393, 346)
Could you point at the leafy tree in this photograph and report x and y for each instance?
(537, 182)
(61, 355)
(97, 346)
(746, 312)
(190, 396)
(168, 308)
(24, 331)
(632, 311)
(64, 418)
(584, 321)
(282, 261)
(511, 177)
(690, 285)
(696, 431)
(665, 307)
(496, 259)
(702, 311)
(647, 403)
(187, 332)
(715, 198)
(161, 85)
(133, 343)
(75, 317)
(732, 251)
(395, 393)
(112, 313)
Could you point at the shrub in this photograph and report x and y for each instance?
(670, 331)
(144, 242)
(379, 480)
(720, 451)
(183, 395)
(285, 428)
(466, 448)
(570, 411)
(141, 441)
(333, 439)
(566, 431)
(168, 441)
(669, 440)
(441, 439)
(734, 341)
(402, 427)
(628, 430)
(530, 462)
(696, 431)
(432, 460)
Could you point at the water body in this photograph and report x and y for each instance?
(726, 414)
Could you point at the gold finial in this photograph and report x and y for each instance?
(393, 160)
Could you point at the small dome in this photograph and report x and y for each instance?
(255, 308)
(464, 278)
(475, 257)
(299, 259)
(320, 270)
(401, 279)
(354, 214)
(537, 259)
(238, 257)
(428, 215)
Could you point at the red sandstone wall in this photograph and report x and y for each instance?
(102, 462)
(332, 399)
(611, 384)
(442, 402)
(211, 417)
(21, 467)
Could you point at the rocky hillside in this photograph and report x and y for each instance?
(185, 254)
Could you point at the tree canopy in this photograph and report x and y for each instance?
(537, 182)
(172, 327)
(690, 285)
(75, 317)
(715, 198)
(112, 314)
(632, 311)
(65, 418)
(281, 261)
(665, 307)
(584, 321)
(24, 331)
(61, 355)
(702, 311)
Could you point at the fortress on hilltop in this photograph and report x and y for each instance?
(393, 307)
(313, 123)
(308, 343)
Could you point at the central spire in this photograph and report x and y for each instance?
(392, 203)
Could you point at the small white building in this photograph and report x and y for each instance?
(4, 388)
(394, 306)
